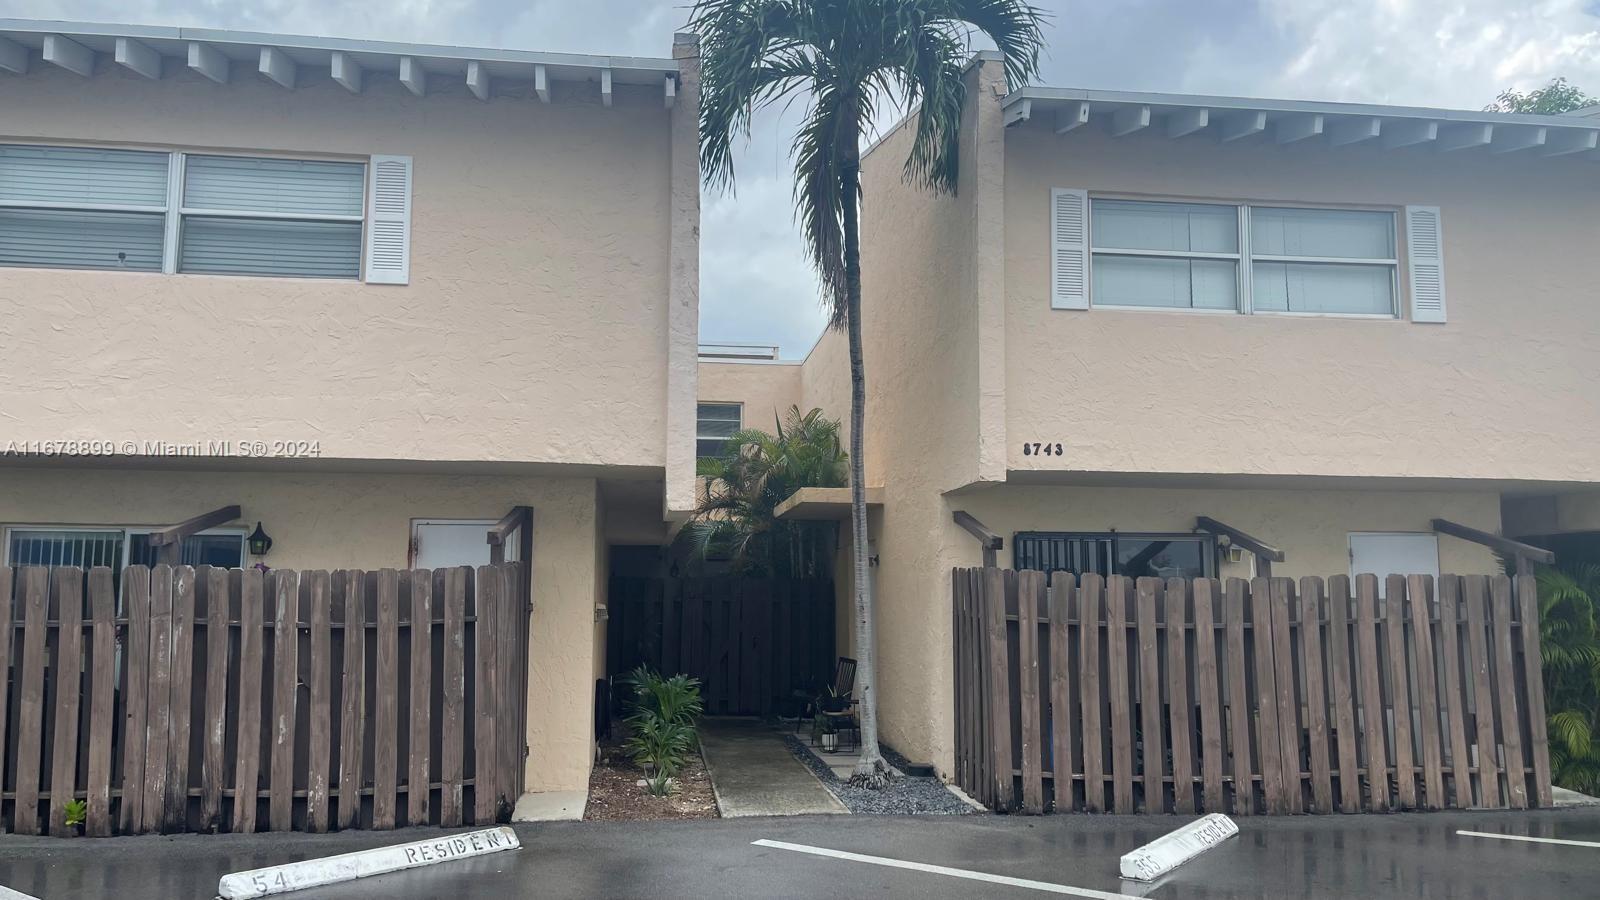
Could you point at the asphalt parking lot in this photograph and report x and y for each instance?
(1370, 857)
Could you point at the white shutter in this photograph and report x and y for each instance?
(1069, 248)
(1425, 259)
(389, 221)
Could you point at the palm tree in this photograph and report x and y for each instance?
(744, 485)
(849, 57)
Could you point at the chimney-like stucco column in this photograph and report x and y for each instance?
(683, 288)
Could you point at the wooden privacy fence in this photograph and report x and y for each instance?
(1193, 695)
(207, 699)
(752, 642)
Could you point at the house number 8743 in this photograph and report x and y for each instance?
(1038, 449)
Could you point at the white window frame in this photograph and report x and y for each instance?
(698, 437)
(128, 532)
(1245, 259)
(174, 211)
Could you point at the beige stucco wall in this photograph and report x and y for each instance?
(535, 326)
(328, 520)
(764, 390)
(1504, 390)
(921, 329)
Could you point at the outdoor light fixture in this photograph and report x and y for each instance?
(259, 542)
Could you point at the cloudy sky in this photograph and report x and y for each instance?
(756, 286)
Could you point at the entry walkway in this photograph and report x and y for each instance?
(754, 774)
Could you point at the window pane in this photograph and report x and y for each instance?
(1164, 282)
(66, 548)
(709, 447)
(712, 428)
(82, 176)
(1343, 233)
(223, 550)
(1126, 225)
(728, 412)
(273, 185)
(72, 239)
(1161, 558)
(1324, 288)
(270, 247)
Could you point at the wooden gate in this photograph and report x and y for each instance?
(207, 699)
(752, 642)
(1116, 695)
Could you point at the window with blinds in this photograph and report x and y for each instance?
(83, 208)
(75, 208)
(271, 217)
(714, 424)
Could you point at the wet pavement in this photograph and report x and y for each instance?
(1368, 857)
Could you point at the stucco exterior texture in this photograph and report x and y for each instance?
(1299, 430)
(526, 362)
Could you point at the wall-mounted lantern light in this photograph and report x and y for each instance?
(259, 542)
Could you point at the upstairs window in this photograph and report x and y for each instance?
(1228, 257)
(1323, 261)
(1177, 255)
(271, 217)
(714, 424)
(73, 208)
(83, 208)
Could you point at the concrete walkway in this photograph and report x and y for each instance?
(754, 774)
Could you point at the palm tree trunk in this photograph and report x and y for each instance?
(870, 769)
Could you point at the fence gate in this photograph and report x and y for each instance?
(750, 641)
(172, 698)
(1194, 695)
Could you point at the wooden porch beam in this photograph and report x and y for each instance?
(1495, 542)
(990, 541)
(1254, 545)
(168, 542)
(518, 517)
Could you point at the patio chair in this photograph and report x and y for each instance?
(844, 681)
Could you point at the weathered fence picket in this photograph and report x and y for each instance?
(1392, 695)
(263, 682)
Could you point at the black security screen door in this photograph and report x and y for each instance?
(1113, 553)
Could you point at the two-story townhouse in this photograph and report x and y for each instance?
(1320, 325)
(375, 295)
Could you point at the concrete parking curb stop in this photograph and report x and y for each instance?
(1177, 847)
(328, 870)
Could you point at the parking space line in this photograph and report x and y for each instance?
(1530, 840)
(9, 894)
(1025, 883)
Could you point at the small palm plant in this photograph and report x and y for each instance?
(661, 726)
(77, 812)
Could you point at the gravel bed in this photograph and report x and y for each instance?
(904, 796)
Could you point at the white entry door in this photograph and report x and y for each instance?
(444, 543)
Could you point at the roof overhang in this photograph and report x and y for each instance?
(1225, 119)
(820, 503)
(77, 46)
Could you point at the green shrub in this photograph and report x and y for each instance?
(77, 811)
(675, 699)
(663, 712)
(657, 745)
